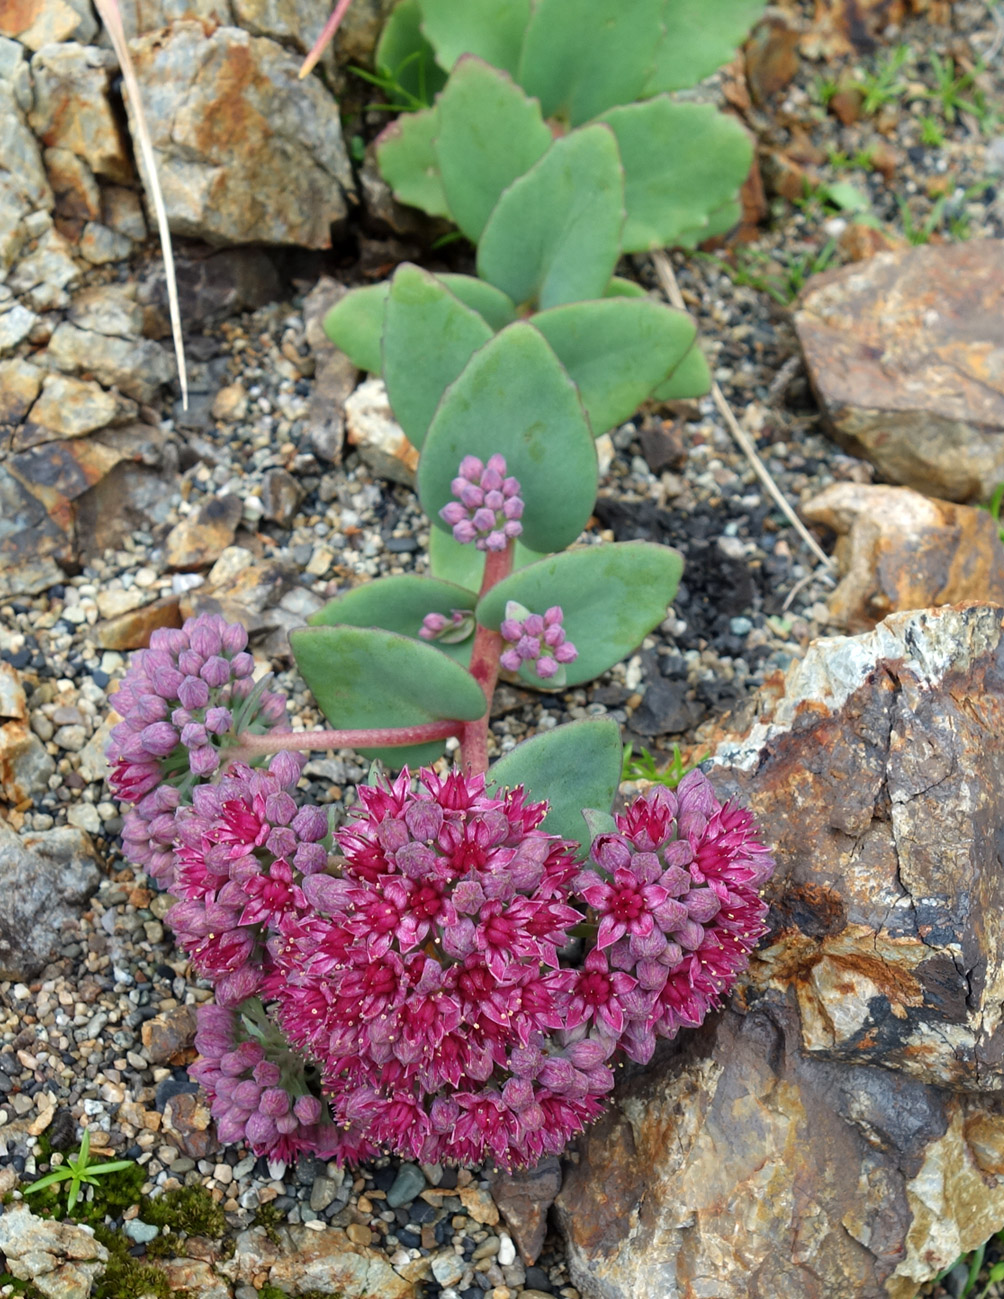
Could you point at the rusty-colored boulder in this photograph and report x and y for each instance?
(899, 550)
(837, 1133)
(906, 355)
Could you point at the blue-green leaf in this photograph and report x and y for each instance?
(355, 324)
(407, 163)
(491, 29)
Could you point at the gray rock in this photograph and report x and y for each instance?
(280, 496)
(246, 151)
(139, 1231)
(13, 704)
(99, 244)
(138, 366)
(61, 1258)
(76, 191)
(122, 210)
(211, 287)
(838, 1130)
(142, 16)
(51, 263)
(407, 1185)
(73, 110)
(323, 1192)
(109, 309)
(906, 354)
(20, 384)
(45, 879)
(69, 408)
(16, 323)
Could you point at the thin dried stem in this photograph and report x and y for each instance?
(667, 280)
(112, 19)
(327, 32)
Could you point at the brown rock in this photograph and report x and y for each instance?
(70, 408)
(72, 109)
(479, 1205)
(841, 27)
(35, 23)
(213, 285)
(197, 541)
(906, 355)
(20, 384)
(133, 628)
(76, 191)
(899, 550)
(886, 160)
(246, 152)
(25, 766)
(13, 704)
(230, 404)
(845, 105)
(138, 366)
(830, 1135)
(524, 1199)
(859, 241)
(194, 1276)
(188, 1123)
(327, 1260)
(169, 1035)
(783, 175)
(771, 56)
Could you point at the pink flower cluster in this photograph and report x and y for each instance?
(182, 701)
(243, 849)
(488, 506)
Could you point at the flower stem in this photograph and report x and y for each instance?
(252, 746)
(485, 666)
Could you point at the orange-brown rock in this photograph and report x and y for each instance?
(169, 1036)
(861, 240)
(199, 540)
(133, 629)
(899, 550)
(188, 1123)
(906, 355)
(845, 105)
(771, 55)
(837, 1132)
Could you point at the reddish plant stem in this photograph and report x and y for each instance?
(484, 667)
(253, 746)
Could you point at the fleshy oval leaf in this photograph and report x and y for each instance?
(491, 29)
(681, 163)
(479, 108)
(616, 351)
(516, 398)
(574, 767)
(691, 378)
(407, 163)
(489, 302)
(579, 59)
(554, 235)
(399, 604)
(694, 45)
(405, 53)
(429, 336)
(355, 324)
(611, 597)
(364, 677)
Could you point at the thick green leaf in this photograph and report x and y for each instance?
(491, 29)
(616, 350)
(719, 221)
(681, 161)
(573, 767)
(355, 324)
(428, 338)
(465, 564)
(363, 677)
(612, 596)
(618, 288)
(554, 236)
(407, 163)
(696, 43)
(515, 397)
(405, 54)
(485, 299)
(399, 604)
(581, 58)
(691, 378)
(480, 108)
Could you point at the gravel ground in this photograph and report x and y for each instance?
(72, 1042)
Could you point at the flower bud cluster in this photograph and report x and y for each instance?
(260, 1091)
(535, 638)
(182, 702)
(488, 508)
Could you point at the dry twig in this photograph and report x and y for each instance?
(112, 19)
(667, 280)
